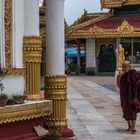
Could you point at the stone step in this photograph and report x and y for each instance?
(29, 136)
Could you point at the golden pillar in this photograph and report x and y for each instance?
(32, 59)
(56, 90)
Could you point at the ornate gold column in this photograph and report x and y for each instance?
(7, 24)
(32, 58)
(56, 90)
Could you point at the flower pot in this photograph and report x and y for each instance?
(3, 101)
(11, 102)
(19, 100)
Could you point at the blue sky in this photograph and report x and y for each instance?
(75, 8)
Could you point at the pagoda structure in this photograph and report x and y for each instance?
(103, 33)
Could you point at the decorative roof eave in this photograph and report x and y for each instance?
(85, 35)
(125, 30)
(102, 17)
(111, 4)
(118, 3)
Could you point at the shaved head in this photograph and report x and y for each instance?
(126, 66)
(126, 63)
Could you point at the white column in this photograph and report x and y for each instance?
(90, 53)
(17, 33)
(55, 79)
(55, 37)
(2, 35)
(31, 16)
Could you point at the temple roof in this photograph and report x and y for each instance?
(105, 26)
(115, 21)
(118, 3)
(86, 16)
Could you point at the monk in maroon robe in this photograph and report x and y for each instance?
(129, 95)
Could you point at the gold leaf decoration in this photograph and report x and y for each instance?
(7, 24)
(125, 27)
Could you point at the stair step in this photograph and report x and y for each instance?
(29, 136)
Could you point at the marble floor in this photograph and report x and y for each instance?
(94, 112)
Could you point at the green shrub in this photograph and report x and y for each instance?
(90, 71)
(73, 68)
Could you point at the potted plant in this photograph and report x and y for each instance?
(3, 97)
(90, 71)
(54, 132)
(73, 69)
(19, 98)
(11, 101)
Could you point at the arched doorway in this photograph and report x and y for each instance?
(106, 59)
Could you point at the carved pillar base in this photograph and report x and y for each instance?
(32, 60)
(56, 91)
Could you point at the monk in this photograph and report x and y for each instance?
(129, 94)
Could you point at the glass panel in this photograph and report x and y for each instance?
(136, 52)
(136, 39)
(125, 40)
(128, 51)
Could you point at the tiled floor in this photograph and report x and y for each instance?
(94, 112)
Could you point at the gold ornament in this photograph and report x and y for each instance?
(7, 24)
(32, 59)
(118, 3)
(56, 90)
(25, 111)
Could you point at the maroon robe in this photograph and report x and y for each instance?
(129, 95)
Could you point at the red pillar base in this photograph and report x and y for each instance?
(20, 130)
(66, 132)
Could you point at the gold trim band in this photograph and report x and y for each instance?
(56, 90)
(25, 111)
(8, 7)
(15, 71)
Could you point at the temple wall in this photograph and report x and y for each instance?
(14, 84)
(18, 18)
